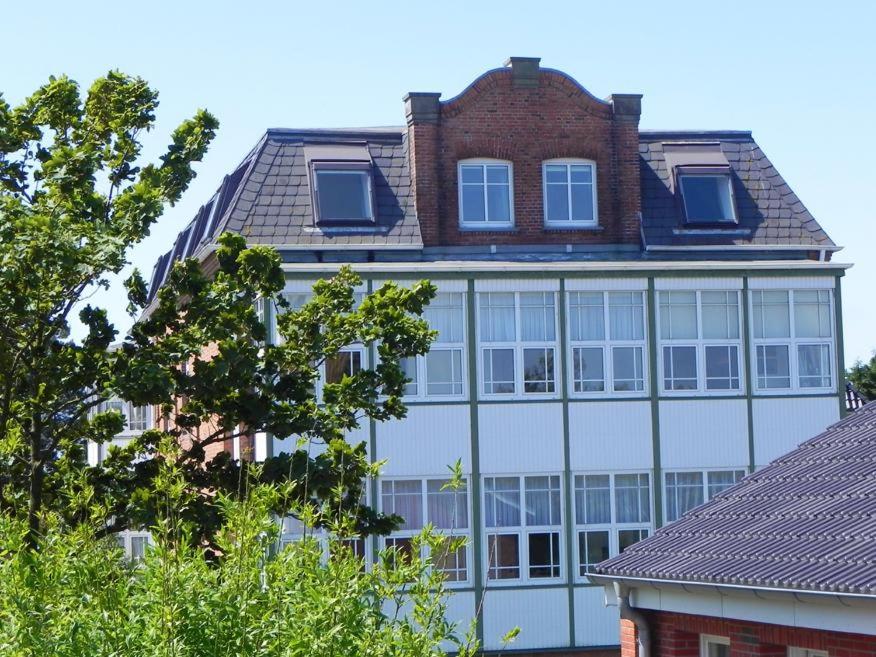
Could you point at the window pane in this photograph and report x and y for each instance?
(544, 555)
(678, 315)
(626, 315)
(772, 317)
(773, 367)
(451, 562)
(586, 320)
(812, 314)
(400, 549)
(581, 173)
(628, 537)
(472, 173)
(139, 544)
(813, 363)
(582, 202)
(405, 499)
(592, 500)
(627, 365)
(343, 195)
(409, 367)
(707, 198)
(720, 481)
(497, 317)
(447, 508)
(444, 372)
(557, 202)
(445, 315)
(684, 491)
(504, 555)
(499, 203)
(542, 501)
(720, 315)
(537, 321)
(538, 370)
(592, 549)
(680, 368)
(632, 498)
(722, 367)
(502, 501)
(498, 371)
(473, 208)
(556, 173)
(497, 173)
(346, 363)
(588, 369)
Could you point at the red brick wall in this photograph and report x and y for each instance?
(678, 635)
(493, 118)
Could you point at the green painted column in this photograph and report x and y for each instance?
(840, 356)
(477, 548)
(372, 436)
(654, 393)
(568, 520)
(746, 366)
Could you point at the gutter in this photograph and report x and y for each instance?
(743, 247)
(628, 612)
(618, 580)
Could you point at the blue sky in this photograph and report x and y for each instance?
(800, 75)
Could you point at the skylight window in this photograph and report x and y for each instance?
(343, 194)
(708, 198)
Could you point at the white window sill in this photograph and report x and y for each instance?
(487, 227)
(573, 226)
(783, 392)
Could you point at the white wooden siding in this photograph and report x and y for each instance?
(575, 284)
(698, 283)
(792, 283)
(517, 285)
(610, 435)
(595, 623)
(782, 424)
(520, 438)
(708, 433)
(541, 614)
(425, 442)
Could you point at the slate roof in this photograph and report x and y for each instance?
(267, 198)
(806, 522)
(768, 210)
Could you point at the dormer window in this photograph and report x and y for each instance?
(701, 178)
(707, 197)
(485, 194)
(342, 183)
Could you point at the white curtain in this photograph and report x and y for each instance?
(586, 316)
(592, 499)
(537, 316)
(447, 508)
(626, 316)
(502, 501)
(404, 498)
(542, 501)
(497, 317)
(444, 315)
(632, 499)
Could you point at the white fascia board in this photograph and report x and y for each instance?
(742, 247)
(487, 267)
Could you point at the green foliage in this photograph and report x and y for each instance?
(863, 377)
(73, 200)
(75, 595)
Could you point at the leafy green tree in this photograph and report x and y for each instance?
(76, 596)
(73, 200)
(863, 377)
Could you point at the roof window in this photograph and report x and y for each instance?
(342, 183)
(701, 176)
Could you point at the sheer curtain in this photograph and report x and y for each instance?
(632, 498)
(404, 498)
(592, 499)
(497, 317)
(502, 501)
(586, 316)
(537, 323)
(542, 501)
(447, 508)
(626, 316)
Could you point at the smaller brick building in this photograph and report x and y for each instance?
(783, 563)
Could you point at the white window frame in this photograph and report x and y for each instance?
(523, 530)
(126, 540)
(708, 639)
(568, 163)
(607, 345)
(614, 526)
(454, 533)
(487, 223)
(705, 485)
(351, 349)
(793, 343)
(733, 220)
(421, 363)
(700, 345)
(518, 346)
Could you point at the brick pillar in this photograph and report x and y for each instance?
(628, 638)
(626, 110)
(423, 114)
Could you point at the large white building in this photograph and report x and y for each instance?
(629, 322)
